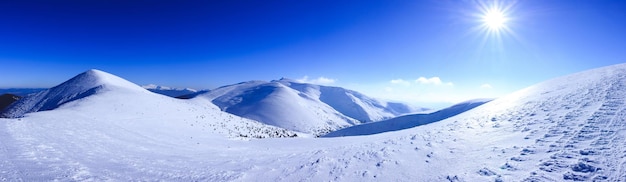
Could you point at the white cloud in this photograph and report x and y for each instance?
(432, 80)
(320, 80)
(486, 86)
(401, 82)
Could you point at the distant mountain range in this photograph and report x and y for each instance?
(20, 91)
(7, 99)
(168, 91)
(294, 106)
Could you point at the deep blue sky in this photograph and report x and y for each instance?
(361, 45)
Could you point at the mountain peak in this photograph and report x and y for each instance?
(95, 77)
(94, 71)
(83, 85)
(96, 74)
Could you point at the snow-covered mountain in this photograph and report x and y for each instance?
(82, 85)
(570, 128)
(408, 121)
(109, 98)
(351, 103)
(168, 91)
(302, 107)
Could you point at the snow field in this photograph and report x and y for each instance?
(566, 129)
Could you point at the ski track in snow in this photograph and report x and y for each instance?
(570, 134)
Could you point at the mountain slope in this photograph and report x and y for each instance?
(408, 121)
(301, 107)
(172, 92)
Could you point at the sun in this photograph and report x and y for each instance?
(494, 19)
(494, 22)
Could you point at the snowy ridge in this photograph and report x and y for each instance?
(573, 126)
(83, 85)
(302, 107)
(408, 121)
(351, 103)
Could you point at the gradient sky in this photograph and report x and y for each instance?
(426, 52)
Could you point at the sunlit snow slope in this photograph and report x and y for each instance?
(302, 107)
(566, 129)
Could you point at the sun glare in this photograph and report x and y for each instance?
(494, 23)
(494, 19)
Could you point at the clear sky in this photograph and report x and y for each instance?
(426, 52)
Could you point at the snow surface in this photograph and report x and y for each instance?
(407, 121)
(302, 107)
(565, 129)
